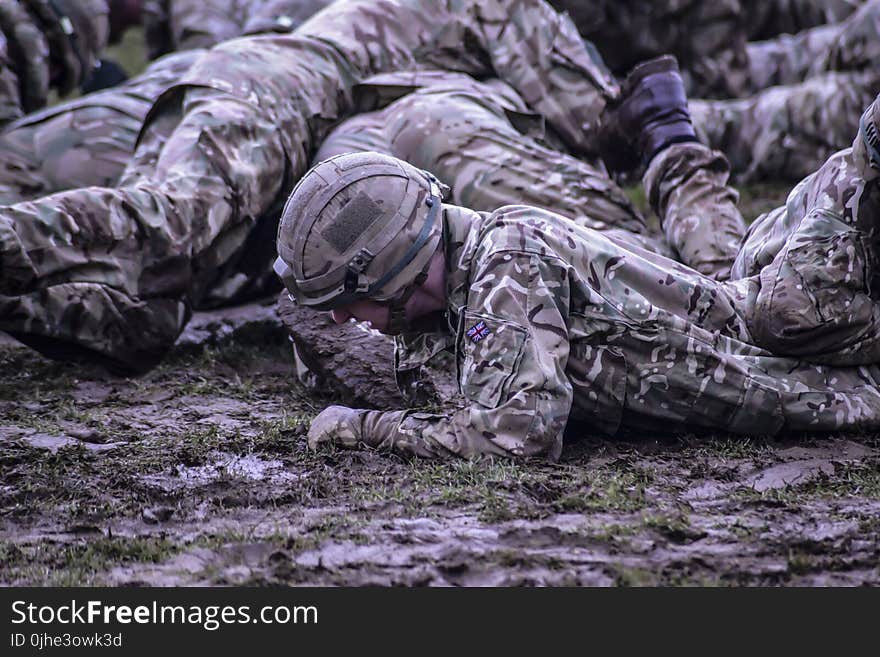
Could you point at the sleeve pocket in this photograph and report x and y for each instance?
(491, 350)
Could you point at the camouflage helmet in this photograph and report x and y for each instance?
(358, 226)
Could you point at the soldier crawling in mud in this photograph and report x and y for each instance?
(551, 321)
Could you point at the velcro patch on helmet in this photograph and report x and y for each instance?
(351, 222)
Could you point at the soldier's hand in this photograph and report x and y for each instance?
(336, 425)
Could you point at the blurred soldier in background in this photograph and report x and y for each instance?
(174, 25)
(827, 75)
(709, 39)
(89, 140)
(46, 45)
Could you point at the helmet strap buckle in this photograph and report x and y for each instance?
(354, 281)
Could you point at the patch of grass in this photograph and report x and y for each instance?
(859, 480)
(28, 377)
(77, 564)
(637, 196)
(613, 532)
(613, 489)
(800, 563)
(757, 198)
(678, 575)
(283, 435)
(632, 576)
(500, 489)
(130, 52)
(675, 527)
(728, 447)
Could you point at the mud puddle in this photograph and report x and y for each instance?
(198, 474)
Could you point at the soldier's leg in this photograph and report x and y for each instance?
(789, 58)
(817, 296)
(82, 147)
(84, 142)
(769, 18)
(786, 132)
(466, 138)
(364, 132)
(114, 272)
(687, 186)
(809, 268)
(849, 45)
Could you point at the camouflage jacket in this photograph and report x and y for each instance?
(172, 25)
(37, 35)
(549, 320)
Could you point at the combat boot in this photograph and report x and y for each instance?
(650, 114)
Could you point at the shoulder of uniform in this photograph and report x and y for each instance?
(517, 229)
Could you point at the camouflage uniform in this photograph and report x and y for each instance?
(172, 25)
(46, 45)
(709, 39)
(828, 75)
(84, 142)
(551, 321)
(481, 140)
(114, 273)
(765, 20)
(88, 141)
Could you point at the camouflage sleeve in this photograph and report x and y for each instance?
(541, 54)
(513, 350)
(199, 24)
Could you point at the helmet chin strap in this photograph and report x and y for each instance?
(397, 321)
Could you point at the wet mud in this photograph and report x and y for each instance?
(198, 473)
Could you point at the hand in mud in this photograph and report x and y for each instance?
(336, 425)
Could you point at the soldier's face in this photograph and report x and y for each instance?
(374, 314)
(428, 298)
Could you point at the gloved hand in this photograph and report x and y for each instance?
(337, 425)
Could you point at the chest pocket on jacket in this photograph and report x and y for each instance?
(489, 354)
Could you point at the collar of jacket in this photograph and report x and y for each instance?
(461, 233)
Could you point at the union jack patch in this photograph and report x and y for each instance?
(478, 331)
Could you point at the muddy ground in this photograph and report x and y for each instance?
(198, 473)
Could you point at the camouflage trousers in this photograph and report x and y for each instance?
(803, 278)
(83, 142)
(797, 318)
(824, 77)
(479, 139)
